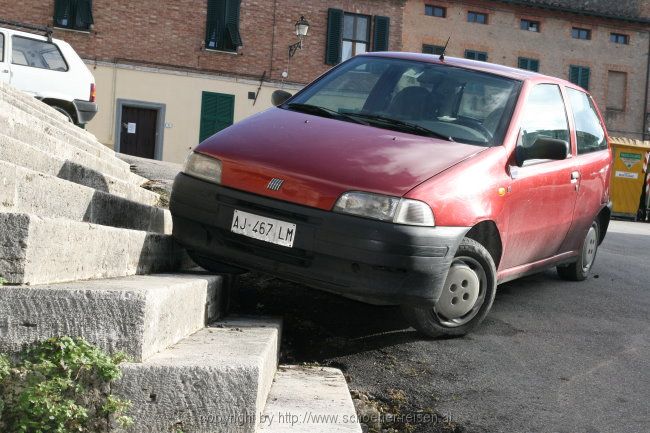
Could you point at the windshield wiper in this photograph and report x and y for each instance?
(402, 125)
(318, 110)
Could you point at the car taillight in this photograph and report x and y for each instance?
(93, 93)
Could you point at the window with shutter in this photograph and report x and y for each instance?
(579, 75)
(476, 55)
(528, 64)
(380, 39)
(217, 113)
(222, 28)
(73, 14)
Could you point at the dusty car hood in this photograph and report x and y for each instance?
(320, 158)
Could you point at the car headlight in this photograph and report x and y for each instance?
(385, 208)
(203, 167)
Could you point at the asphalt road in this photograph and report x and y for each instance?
(552, 356)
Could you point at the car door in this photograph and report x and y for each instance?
(593, 161)
(542, 194)
(4, 59)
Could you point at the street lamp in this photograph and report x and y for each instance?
(302, 27)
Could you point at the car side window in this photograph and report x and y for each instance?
(589, 131)
(544, 115)
(37, 54)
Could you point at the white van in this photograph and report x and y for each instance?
(50, 70)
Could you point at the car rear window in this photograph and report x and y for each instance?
(465, 105)
(589, 131)
(37, 54)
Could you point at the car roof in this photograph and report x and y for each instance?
(491, 68)
(40, 37)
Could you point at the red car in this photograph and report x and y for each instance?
(405, 179)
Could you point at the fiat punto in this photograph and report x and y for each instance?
(405, 179)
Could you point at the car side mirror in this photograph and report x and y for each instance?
(279, 97)
(543, 148)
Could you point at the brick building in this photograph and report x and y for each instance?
(602, 45)
(183, 69)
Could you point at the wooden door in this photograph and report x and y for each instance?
(139, 131)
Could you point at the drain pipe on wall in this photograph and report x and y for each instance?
(645, 102)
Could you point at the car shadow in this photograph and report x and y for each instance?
(319, 326)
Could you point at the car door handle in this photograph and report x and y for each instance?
(575, 175)
(5, 71)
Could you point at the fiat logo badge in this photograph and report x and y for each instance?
(275, 184)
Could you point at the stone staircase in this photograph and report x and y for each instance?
(86, 252)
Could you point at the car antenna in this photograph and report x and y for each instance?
(442, 55)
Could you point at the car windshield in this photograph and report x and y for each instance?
(416, 97)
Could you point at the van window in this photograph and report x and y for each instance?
(2, 47)
(590, 133)
(37, 54)
(544, 115)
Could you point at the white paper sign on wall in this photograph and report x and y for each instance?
(130, 128)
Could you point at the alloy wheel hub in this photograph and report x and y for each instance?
(460, 292)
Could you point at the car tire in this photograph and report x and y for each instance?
(471, 258)
(65, 112)
(579, 270)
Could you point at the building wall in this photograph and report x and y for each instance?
(172, 33)
(556, 50)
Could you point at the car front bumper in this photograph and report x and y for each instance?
(368, 260)
(86, 111)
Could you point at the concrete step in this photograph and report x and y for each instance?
(27, 191)
(51, 118)
(16, 109)
(309, 400)
(138, 315)
(21, 128)
(32, 158)
(217, 380)
(36, 250)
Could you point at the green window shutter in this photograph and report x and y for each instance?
(584, 79)
(574, 75)
(217, 113)
(62, 13)
(84, 15)
(534, 65)
(215, 26)
(522, 63)
(232, 23)
(334, 35)
(382, 30)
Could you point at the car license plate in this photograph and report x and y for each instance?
(264, 229)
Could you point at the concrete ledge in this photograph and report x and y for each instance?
(35, 250)
(26, 191)
(27, 156)
(138, 315)
(309, 400)
(216, 380)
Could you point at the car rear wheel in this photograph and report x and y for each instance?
(466, 298)
(65, 112)
(579, 271)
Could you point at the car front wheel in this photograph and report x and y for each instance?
(579, 270)
(466, 298)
